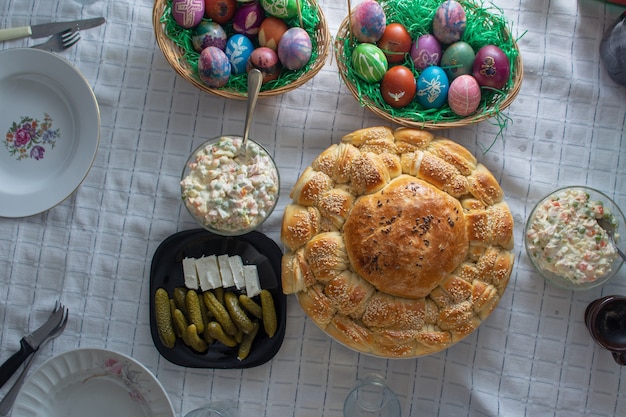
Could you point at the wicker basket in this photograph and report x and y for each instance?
(417, 117)
(175, 55)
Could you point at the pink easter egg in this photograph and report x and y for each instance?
(426, 51)
(248, 18)
(187, 13)
(295, 48)
(265, 60)
(368, 21)
(491, 67)
(464, 95)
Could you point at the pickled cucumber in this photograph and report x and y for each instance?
(220, 313)
(251, 306)
(194, 341)
(194, 315)
(180, 323)
(270, 322)
(246, 343)
(216, 331)
(179, 298)
(242, 321)
(163, 317)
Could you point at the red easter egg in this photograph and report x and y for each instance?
(398, 86)
(491, 67)
(220, 11)
(395, 42)
(464, 95)
(265, 60)
(270, 32)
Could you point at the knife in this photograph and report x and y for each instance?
(29, 344)
(48, 29)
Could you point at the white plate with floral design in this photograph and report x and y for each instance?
(49, 129)
(93, 382)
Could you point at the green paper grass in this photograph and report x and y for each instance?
(484, 26)
(238, 83)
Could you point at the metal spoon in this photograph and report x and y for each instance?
(610, 231)
(255, 79)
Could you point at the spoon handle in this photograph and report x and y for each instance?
(255, 80)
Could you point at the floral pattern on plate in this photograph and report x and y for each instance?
(132, 379)
(28, 138)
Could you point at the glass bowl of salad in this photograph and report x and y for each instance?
(228, 192)
(565, 243)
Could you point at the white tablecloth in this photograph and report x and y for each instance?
(532, 357)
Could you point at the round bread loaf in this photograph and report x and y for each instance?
(398, 243)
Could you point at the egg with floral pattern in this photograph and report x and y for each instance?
(238, 50)
(187, 13)
(248, 18)
(449, 22)
(283, 9)
(368, 21)
(208, 34)
(270, 32)
(426, 51)
(295, 48)
(213, 67)
(369, 62)
(432, 87)
(491, 67)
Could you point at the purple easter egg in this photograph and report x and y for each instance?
(426, 51)
(368, 21)
(213, 67)
(265, 60)
(491, 67)
(295, 48)
(187, 13)
(449, 22)
(208, 34)
(248, 18)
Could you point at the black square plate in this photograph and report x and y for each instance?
(167, 272)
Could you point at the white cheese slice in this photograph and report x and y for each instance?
(208, 273)
(253, 286)
(225, 272)
(190, 274)
(236, 267)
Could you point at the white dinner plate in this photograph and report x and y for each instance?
(49, 130)
(93, 382)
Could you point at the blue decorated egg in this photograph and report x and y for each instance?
(432, 88)
(368, 21)
(369, 62)
(457, 59)
(187, 13)
(208, 34)
(426, 51)
(295, 48)
(449, 22)
(213, 67)
(248, 18)
(238, 50)
(283, 9)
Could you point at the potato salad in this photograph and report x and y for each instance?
(227, 191)
(564, 237)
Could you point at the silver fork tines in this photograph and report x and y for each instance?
(9, 398)
(60, 41)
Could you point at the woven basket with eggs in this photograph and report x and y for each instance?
(363, 47)
(176, 43)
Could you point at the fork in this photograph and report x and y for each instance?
(60, 41)
(9, 398)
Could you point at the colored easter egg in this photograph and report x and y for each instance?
(457, 59)
(464, 95)
(398, 86)
(432, 88)
(295, 48)
(426, 51)
(449, 22)
(491, 67)
(220, 11)
(369, 62)
(213, 67)
(248, 17)
(208, 34)
(395, 42)
(187, 13)
(265, 60)
(270, 32)
(283, 9)
(368, 21)
(238, 50)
